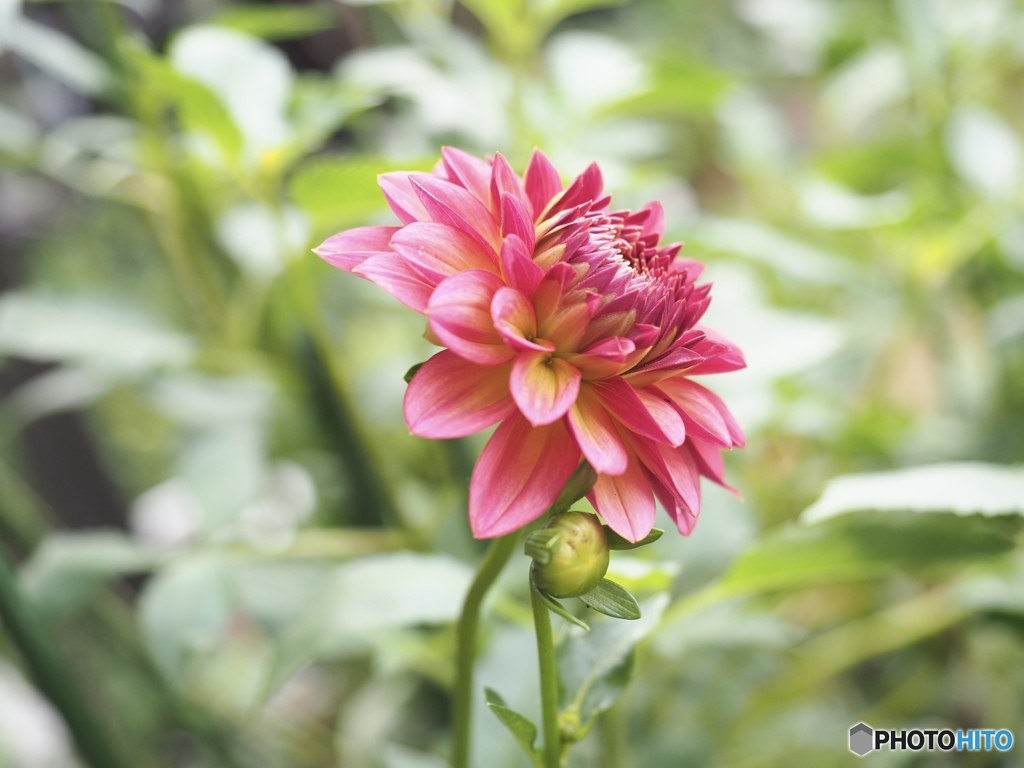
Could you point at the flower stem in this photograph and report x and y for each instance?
(27, 633)
(465, 643)
(548, 680)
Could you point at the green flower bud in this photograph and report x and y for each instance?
(570, 554)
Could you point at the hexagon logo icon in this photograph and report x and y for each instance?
(862, 739)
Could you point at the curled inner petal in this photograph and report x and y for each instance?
(515, 320)
(459, 313)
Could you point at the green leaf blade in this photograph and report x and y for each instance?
(962, 488)
(612, 600)
(276, 21)
(521, 727)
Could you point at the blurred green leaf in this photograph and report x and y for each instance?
(398, 756)
(595, 667)
(524, 731)
(639, 574)
(865, 546)
(612, 600)
(554, 11)
(185, 609)
(68, 568)
(261, 239)
(366, 596)
(198, 107)
(499, 17)
(343, 190)
(964, 488)
(10, 10)
(778, 250)
(870, 168)
(985, 151)
(831, 205)
(19, 135)
(98, 335)
(251, 78)
(59, 56)
(276, 21)
(322, 103)
(849, 103)
(679, 86)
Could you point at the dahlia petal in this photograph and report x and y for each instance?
(398, 191)
(347, 250)
(584, 190)
(626, 405)
(516, 220)
(615, 348)
(625, 501)
(721, 355)
(596, 434)
(448, 203)
(504, 181)
(703, 411)
(691, 267)
(684, 518)
(518, 268)
(459, 312)
(606, 358)
(451, 397)
(709, 461)
(544, 387)
(673, 467)
(469, 171)
(395, 276)
(520, 473)
(654, 224)
(438, 250)
(567, 325)
(679, 358)
(644, 335)
(542, 182)
(514, 318)
(562, 275)
(660, 407)
(607, 324)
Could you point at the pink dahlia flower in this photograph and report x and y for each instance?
(564, 322)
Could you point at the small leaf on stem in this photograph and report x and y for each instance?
(618, 542)
(612, 600)
(524, 731)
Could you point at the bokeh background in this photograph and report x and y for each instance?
(206, 484)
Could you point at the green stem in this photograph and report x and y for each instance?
(581, 481)
(30, 637)
(548, 680)
(465, 643)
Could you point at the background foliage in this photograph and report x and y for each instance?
(206, 482)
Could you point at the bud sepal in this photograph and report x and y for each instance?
(619, 542)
